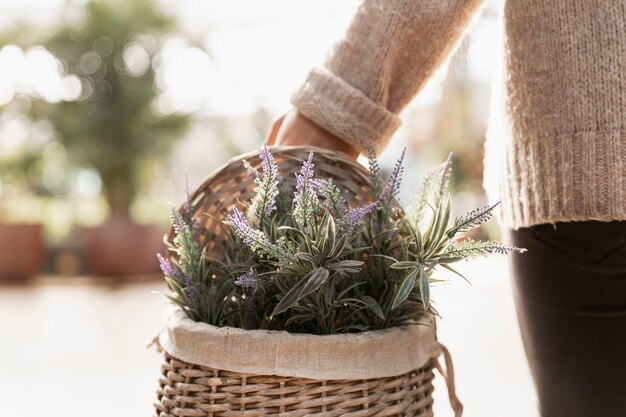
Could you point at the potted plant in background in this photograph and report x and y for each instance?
(308, 294)
(22, 245)
(114, 127)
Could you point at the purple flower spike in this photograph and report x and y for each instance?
(249, 280)
(166, 266)
(393, 185)
(306, 174)
(268, 160)
(255, 239)
(270, 171)
(263, 204)
(190, 291)
(353, 216)
(242, 228)
(305, 197)
(187, 203)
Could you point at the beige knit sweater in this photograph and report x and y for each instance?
(562, 153)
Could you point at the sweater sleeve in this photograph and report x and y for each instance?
(389, 51)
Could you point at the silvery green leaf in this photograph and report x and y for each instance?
(439, 229)
(449, 268)
(346, 266)
(322, 244)
(315, 280)
(405, 289)
(374, 306)
(339, 247)
(175, 286)
(293, 229)
(447, 259)
(316, 252)
(404, 265)
(419, 241)
(424, 287)
(311, 282)
(331, 232)
(305, 256)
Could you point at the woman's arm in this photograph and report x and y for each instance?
(388, 53)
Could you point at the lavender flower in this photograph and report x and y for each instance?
(256, 240)
(352, 217)
(305, 198)
(252, 171)
(266, 190)
(470, 248)
(433, 188)
(178, 223)
(393, 185)
(334, 200)
(444, 171)
(376, 183)
(186, 209)
(190, 291)
(249, 281)
(471, 220)
(167, 267)
(188, 250)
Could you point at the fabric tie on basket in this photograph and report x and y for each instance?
(374, 354)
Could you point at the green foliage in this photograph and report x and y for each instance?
(113, 126)
(313, 264)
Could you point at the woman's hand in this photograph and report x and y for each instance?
(294, 129)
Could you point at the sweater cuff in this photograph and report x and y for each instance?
(345, 111)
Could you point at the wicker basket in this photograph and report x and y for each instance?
(203, 374)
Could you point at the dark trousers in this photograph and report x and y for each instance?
(570, 295)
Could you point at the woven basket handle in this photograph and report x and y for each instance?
(448, 376)
(270, 139)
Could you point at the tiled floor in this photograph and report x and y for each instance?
(78, 350)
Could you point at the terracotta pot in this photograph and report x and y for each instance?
(21, 251)
(120, 247)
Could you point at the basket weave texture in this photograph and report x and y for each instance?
(189, 390)
(192, 390)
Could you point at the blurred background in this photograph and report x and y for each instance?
(106, 105)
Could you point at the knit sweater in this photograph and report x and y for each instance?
(559, 153)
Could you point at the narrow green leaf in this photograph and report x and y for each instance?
(345, 264)
(405, 289)
(293, 229)
(310, 283)
(174, 286)
(346, 290)
(331, 232)
(404, 265)
(339, 247)
(315, 280)
(322, 246)
(443, 217)
(449, 268)
(292, 297)
(297, 317)
(419, 241)
(424, 287)
(374, 306)
(305, 256)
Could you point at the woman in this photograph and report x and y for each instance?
(561, 162)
